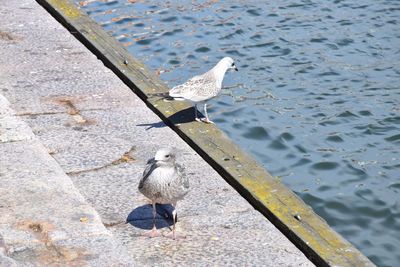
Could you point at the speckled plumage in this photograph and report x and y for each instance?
(164, 182)
(197, 89)
(203, 87)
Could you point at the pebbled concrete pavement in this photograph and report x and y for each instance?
(101, 135)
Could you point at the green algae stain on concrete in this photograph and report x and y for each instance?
(299, 218)
(67, 8)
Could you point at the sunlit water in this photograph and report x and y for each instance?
(316, 99)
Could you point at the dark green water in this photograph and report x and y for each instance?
(316, 100)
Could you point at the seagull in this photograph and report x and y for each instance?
(163, 182)
(203, 87)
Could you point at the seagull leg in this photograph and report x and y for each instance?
(195, 113)
(153, 232)
(207, 120)
(173, 234)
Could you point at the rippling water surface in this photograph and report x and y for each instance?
(316, 99)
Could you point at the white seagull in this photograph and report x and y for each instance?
(163, 182)
(203, 87)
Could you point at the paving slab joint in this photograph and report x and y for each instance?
(125, 158)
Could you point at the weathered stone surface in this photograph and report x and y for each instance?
(11, 128)
(102, 134)
(44, 219)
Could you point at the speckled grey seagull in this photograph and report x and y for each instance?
(203, 87)
(163, 182)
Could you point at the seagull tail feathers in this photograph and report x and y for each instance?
(176, 94)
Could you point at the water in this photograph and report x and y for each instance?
(316, 99)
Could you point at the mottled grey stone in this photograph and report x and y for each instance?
(42, 210)
(7, 261)
(11, 128)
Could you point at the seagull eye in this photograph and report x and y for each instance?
(167, 156)
(233, 64)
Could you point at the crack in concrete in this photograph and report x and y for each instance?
(74, 111)
(125, 158)
(53, 112)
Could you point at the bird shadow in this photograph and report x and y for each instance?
(159, 124)
(142, 217)
(183, 116)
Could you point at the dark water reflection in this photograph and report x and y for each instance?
(316, 100)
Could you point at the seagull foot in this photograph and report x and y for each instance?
(152, 233)
(207, 121)
(199, 120)
(175, 236)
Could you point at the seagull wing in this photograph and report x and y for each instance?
(196, 89)
(182, 175)
(150, 167)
